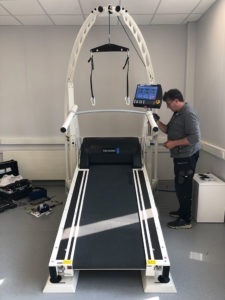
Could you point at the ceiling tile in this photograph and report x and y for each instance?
(105, 21)
(67, 19)
(35, 20)
(142, 19)
(8, 20)
(61, 7)
(23, 7)
(88, 6)
(203, 6)
(176, 6)
(140, 7)
(3, 12)
(169, 19)
(71, 12)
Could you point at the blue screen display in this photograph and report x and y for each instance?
(146, 92)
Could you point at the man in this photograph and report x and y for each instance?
(183, 134)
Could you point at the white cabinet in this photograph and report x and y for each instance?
(208, 198)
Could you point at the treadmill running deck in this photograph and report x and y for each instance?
(109, 234)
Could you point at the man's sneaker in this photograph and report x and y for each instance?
(175, 214)
(179, 224)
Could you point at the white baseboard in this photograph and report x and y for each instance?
(213, 149)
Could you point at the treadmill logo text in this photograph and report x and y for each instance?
(111, 150)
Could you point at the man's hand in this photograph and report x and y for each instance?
(156, 117)
(170, 144)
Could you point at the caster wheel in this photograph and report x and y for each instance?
(56, 280)
(163, 279)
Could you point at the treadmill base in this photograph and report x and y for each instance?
(69, 284)
(66, 285)
(152, 285)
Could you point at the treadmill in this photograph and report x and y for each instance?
(110, 221)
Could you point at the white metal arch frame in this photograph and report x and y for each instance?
(69, 106)
(87, 25)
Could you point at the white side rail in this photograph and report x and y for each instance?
(69, 119)
(152, 121)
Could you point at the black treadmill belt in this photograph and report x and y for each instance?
(112, 249)
(113, 237)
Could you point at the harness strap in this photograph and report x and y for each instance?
(127, 98)
(91, 60)
(127, 64)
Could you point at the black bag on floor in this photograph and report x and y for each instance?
(6, 204)
(9, 167)
(17, 190)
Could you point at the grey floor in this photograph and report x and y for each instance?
(197, 257)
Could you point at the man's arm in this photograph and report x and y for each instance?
(181, 142)
(162, 126)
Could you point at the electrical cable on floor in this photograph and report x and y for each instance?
(165, 190)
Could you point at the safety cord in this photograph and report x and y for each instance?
(91, 59)
(131, 41)
(109, 27)
(127, 98)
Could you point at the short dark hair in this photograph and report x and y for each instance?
(172, 95)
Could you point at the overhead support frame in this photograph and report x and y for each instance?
(73, 140)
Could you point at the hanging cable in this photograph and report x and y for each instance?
(109, 28)
(127, 98)
(131, 41)
(111, 48)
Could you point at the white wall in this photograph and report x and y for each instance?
(209, 88)
(33, 64)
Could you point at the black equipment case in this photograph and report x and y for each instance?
(9, 167)
(16, 190)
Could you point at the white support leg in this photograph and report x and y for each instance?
(66, 285)
(152, 285)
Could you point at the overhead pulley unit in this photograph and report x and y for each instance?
(109, 48)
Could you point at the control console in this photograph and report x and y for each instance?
(149, 96)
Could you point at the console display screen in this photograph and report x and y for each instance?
(148, 96)
(146, 92)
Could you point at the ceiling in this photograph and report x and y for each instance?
(74, 12)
